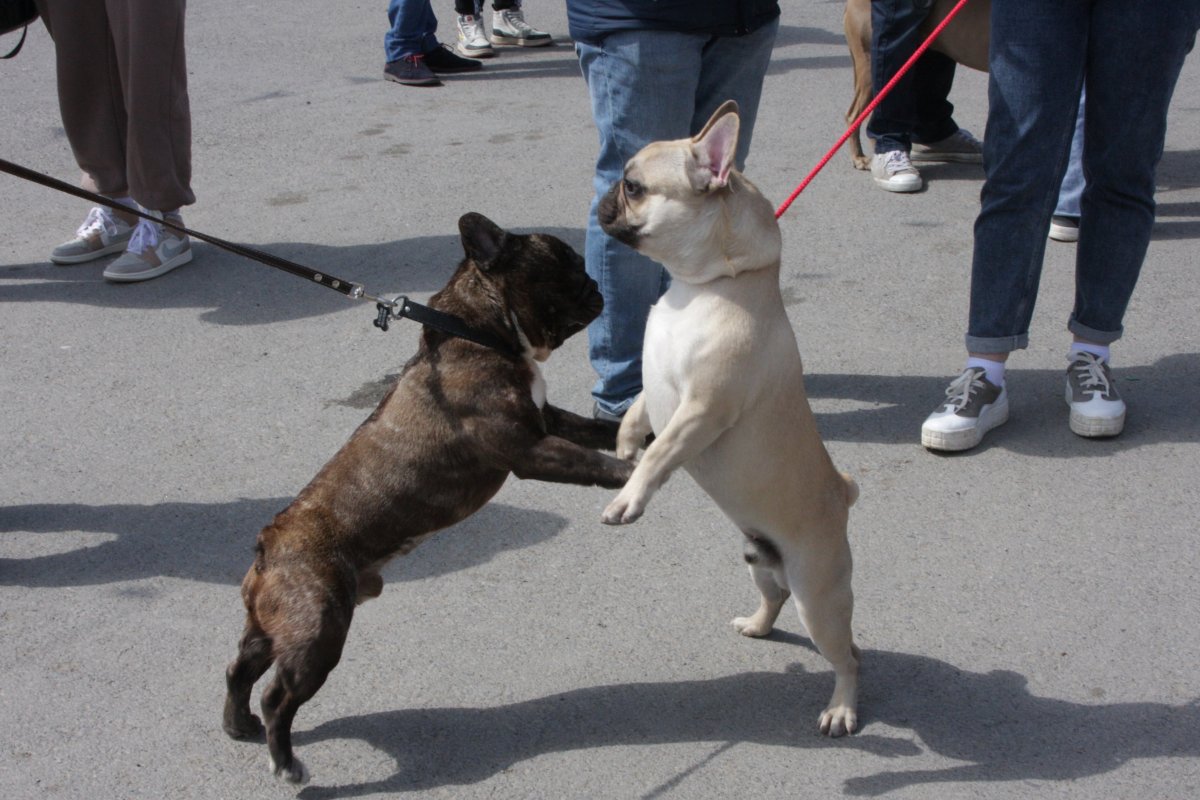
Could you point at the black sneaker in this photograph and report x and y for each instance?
(410, 71)
(973, 406)
(443, 59)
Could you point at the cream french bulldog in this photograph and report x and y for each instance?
(724, 390)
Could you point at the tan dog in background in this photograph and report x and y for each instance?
(724, 389)
(965, 40)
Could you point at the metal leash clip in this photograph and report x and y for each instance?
(386, 309)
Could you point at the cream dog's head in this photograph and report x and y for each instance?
(684, 204)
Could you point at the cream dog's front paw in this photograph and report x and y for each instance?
(838, 720)
(751, 626)
(627, 507)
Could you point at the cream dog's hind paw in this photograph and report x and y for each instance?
(749, 626)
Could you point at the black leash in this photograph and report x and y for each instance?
(396, 308)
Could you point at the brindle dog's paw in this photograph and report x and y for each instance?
(293, 773)
(247, 726)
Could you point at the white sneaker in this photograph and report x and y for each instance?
(102, 232)
(509, 27)
(973, 406)
(894, 172)
(472, 41)
(1096, 408)
(152, 251)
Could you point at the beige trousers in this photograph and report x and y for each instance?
(122, 90)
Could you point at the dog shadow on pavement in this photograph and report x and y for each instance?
(215, 542)
(890, 409)
(988, 723)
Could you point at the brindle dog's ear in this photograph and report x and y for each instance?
(482, 239)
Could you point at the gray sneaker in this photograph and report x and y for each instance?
(973, 406)
(960, 146)
(509, 27)
(153, 250)
(1096, 408)
(104, 231)
(894, 172)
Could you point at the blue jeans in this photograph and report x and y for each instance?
(648, 86)
(1132, 53)
(1070, 193)
(916, 109)
(412, 27)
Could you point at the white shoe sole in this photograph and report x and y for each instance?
(467, 52)
(1063, 233)
(945, 158)
(966, 438)
(516, 41)
(1091, 427)
(892, 185)
(115, 247)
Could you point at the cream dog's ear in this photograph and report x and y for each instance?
(714, 147)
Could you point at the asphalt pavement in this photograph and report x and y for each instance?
(1027, 612)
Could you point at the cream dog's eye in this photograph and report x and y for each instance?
(633, 189)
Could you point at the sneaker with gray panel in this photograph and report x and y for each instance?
(1097, 410)
(153, 250)
(103, 232)
(973, 406)
(961, 147)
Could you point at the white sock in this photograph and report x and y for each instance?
(994, 369)
(1100, 351)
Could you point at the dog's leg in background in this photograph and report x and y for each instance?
(594, 433)
(820, 581)
(635, 428)
(765, 568)
(692, 428)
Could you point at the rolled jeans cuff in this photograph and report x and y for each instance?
(1091, 334)
(996, 344)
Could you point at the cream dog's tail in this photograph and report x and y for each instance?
(851, 489)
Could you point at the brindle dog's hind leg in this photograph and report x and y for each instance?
(253, 659)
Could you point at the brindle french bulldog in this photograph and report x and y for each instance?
(459, 419)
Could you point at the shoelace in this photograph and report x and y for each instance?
(98, 218)
(146, 236)
(1089, 369)
(897, 161)
(958, 393)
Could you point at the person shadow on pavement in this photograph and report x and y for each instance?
(988, 723)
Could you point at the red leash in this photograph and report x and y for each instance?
(870, 107)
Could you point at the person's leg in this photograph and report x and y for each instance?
(1036, 71)
(1064, 225)
(642, 86)
(933, 77)
(149, 38)
(1037, 64)
(90, 93)
(733, 68)
(412, 28)
(895, 36)
(1129, 92)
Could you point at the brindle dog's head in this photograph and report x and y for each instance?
(534, 281)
